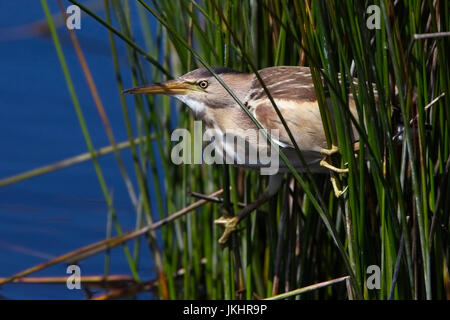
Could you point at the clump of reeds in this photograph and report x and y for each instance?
(395, 213)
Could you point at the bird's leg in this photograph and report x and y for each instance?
(337, 192)
(328, 152)
(230, 223)
(324, 163)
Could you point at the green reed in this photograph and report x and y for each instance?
(305, 243)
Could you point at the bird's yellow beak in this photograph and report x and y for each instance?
(170, 87)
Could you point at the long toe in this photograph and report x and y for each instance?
(324, 163)
(223, 220)
(230, 227)
(334, 149)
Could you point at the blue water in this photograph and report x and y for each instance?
(47, 216)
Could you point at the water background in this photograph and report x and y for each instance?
(47, 216)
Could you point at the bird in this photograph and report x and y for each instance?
(291, 88)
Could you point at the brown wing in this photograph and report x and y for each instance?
(293, 91)
(282, 82)
(302, 118)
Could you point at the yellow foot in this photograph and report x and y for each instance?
(324, 163)
(334, 149)
(337, 191)
(230, 224)
(327, 165)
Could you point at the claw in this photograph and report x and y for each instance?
(337, 191)
(230, 224)
(325, 164)
(222, 220)
(328, 152)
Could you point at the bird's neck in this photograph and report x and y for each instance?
(228, 119)
(225, 119)
(198, 108)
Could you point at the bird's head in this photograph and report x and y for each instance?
(200, 90)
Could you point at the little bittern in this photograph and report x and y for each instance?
(291, 88)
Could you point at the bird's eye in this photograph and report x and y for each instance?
(203, 84)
